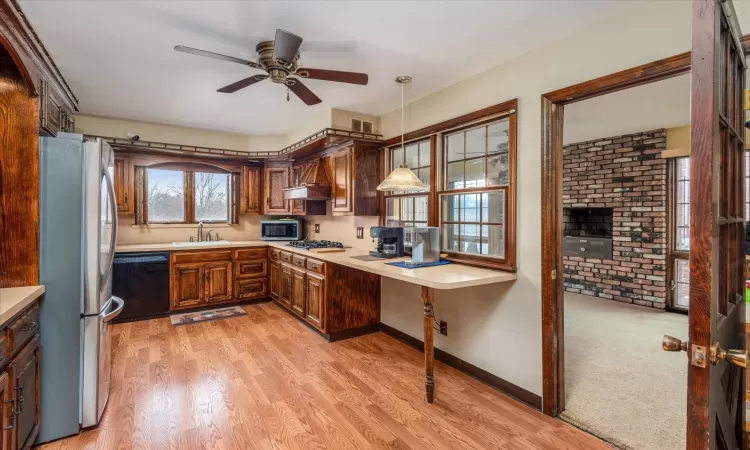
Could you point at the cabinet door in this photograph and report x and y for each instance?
(218, 281)
(24, 372)
(298, 206)
(50, 114)
(187, 285)
(314, 300)
(285, 294)
(123, 184)
(274, 270)
(250, 288)
(298, 292)
(7, 410)
(276, 179)
(250, 190)
(341, 191)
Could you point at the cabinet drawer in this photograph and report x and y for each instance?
(250, 269)
(251, 253)
(193, 257)
(274, 254)
(286, 257)
(4, 351)
(251, 288)
(316, 266)
(26, 326)
(299, 261)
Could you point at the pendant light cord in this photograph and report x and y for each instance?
(403, 149)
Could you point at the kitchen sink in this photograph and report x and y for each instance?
(201, 244)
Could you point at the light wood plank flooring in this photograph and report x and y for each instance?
(266, 381)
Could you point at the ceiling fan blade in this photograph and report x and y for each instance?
(236, 86)
(303, 92)
(334, 75)
(285, 46)
(195, 51)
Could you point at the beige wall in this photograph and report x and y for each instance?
(498, 328)
(247, 229)
(342, 119)
(118, 128)
(320, 121)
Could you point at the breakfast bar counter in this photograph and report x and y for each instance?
(449, 276)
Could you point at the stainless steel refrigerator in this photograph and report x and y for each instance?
(78, 232)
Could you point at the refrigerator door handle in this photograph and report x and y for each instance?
(113, 205)
(120, 304)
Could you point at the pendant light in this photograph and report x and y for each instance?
(402, 178)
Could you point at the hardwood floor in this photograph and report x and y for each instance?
(266, 381)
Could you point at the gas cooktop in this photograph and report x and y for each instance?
(307, 245)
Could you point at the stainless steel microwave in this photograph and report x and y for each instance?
(282, 230)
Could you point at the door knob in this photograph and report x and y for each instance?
(672, 344)
(737, 357)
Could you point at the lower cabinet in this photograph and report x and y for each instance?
(274, 280)
(24, 374)
(218, 282)
(7, 410)
(314, 299)
(285, 294)
(187, 285)
(298, 291)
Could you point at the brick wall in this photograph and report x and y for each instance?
(624, 173)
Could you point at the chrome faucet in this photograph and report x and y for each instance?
(200, 231)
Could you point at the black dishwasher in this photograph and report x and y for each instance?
(142, 279)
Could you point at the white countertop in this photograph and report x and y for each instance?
(15, 300)
(449, 276)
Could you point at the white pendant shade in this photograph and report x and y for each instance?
(402, 179)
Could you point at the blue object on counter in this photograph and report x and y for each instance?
(403, 264)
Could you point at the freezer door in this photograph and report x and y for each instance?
(108, 218)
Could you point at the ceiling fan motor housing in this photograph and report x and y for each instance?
(277, 70)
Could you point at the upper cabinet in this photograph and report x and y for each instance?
(54, 115)
(250, 189)
(123, 183)
(355, 173)
(275, 179)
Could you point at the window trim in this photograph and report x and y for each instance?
(189, 169)
(438, 169)
(672, 253)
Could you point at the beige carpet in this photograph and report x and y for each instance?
(619, 384)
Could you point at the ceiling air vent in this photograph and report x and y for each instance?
(361, 126)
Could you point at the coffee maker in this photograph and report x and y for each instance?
(390, 242)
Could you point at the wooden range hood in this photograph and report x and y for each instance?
(314, 184)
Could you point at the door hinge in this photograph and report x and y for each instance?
(554, 274)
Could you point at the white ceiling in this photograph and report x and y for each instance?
(118, 58)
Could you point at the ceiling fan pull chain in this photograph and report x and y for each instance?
(287, 93)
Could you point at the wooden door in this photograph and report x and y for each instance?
(298, 292)
(187, 285)
(24, 372)
(715, 417)
(276, 179)
(250, 190)
(7, 411)
(298, 206)
(341, 191)
(218, 282)
(123, 184)
(285, 288)
(314, 299)
(274, 271)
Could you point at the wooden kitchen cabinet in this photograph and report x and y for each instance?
(298, 292)
(298, 206)
(7, 410)
(274, 280)
(251, 288)
(187, 285)
(285, 289)
(24, 381)
(275, 179)
(341, 189)
(123, 184)
(218, 282)
(250, 189)
(314, 299)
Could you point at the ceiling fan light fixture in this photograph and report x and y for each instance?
(402, 178)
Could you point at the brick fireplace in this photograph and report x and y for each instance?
(616, 188)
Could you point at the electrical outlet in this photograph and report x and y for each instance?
(444, 328)
(360, 233)
(317, 228)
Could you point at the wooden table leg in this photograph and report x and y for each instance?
(429, 350)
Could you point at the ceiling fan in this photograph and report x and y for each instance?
(279, 58)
